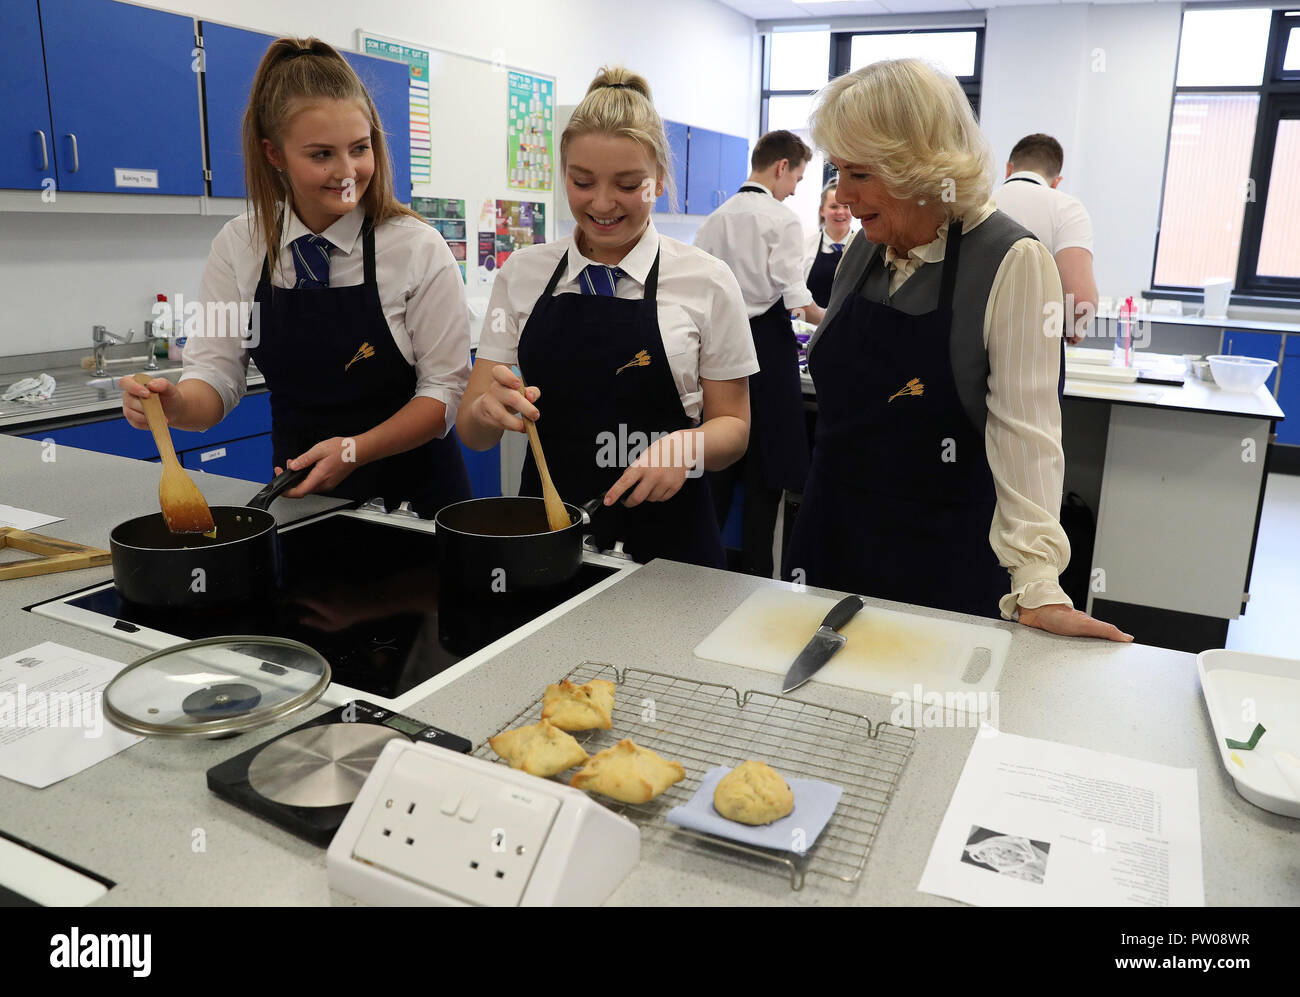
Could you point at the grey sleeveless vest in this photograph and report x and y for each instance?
(982, 251)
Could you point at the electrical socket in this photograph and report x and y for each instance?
(432, 826)
(477, 841)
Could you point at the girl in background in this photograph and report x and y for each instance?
(359, 320)
(825, 247)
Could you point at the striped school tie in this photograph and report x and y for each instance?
(311, 261)
(599, 279)
(837, 246)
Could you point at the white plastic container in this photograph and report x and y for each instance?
(1217, 292)
(1241, 374)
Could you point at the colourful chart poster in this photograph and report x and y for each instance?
(530, 132)
(505, 226)
(417, 61)
(447, 215)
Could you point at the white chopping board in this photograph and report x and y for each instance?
(888, 652)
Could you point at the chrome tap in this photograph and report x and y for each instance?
(149, 340)
(101, 338)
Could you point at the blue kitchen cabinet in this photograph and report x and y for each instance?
(702, 166)
(389, 84)
(717, 165)
(251, 417)
(733, 164)
(112, 436)
(1266, 345)
(1288, 398)
(250, 459)
(484, 467)
(678, 146)
(124, 97)
(26, 138)
(230, 60)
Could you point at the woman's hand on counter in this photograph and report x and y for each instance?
(1058, 618)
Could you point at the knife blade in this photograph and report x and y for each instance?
(825, 642)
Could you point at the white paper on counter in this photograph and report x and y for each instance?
(52, 721)
(25, 519)
(1039, 823)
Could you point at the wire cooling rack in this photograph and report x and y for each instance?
(706, 724)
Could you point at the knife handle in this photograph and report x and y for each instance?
(842, 612)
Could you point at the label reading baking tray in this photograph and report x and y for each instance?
(134, 178)
(212, 454)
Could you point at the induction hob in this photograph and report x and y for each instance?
(361, 587)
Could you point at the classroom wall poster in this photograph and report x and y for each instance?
(505, 226)
(417, 62)
(530, 131)
(447, 215)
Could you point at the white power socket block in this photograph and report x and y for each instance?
(435, 826)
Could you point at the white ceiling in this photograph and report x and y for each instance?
(772, 10)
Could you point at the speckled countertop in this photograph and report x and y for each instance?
(136, 817)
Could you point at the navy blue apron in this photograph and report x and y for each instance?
(1067, 321)
(822, 274)
(888, 512)
(776, 420)
(334, 370)
(603, 372)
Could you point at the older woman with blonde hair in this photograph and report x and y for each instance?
(938, 467)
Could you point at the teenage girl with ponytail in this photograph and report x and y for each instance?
(622, 336)
(359, 320)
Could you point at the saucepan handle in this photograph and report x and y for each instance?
(287, 479)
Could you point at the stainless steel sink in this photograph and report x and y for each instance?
(78, 391)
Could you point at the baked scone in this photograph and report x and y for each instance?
(580, 707)
(628, 773)
(539, 749)
(753, 793)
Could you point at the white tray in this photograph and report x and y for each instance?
(1238, 686)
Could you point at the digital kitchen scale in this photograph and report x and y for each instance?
(306, 779)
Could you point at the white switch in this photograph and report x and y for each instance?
(451, 803)
(470, 810)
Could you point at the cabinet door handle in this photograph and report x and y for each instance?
(45, 152)
(76, 158)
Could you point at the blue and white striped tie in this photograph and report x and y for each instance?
(599, 279)
(311, 261)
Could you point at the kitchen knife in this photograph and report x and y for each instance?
(825, 642)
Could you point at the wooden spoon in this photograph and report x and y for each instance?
(556, 515)
(183, 506)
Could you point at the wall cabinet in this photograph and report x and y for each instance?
(123, 98)
(26, 136)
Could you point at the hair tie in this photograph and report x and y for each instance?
(617, 86)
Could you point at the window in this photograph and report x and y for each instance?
(1231, 189)
(796, 64)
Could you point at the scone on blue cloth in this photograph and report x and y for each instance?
(814, 803)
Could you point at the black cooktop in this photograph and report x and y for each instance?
(366, 596)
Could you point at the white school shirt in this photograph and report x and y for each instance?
(1059, 220)
(420, 290)
(701, 315)
(761, 240)
(1022, 436)
(820, 242)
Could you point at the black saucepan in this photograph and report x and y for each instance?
(152, 566)
(493, 545)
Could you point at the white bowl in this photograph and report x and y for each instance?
(1243, 374)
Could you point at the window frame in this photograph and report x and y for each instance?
(1279, 94)
(840, 48)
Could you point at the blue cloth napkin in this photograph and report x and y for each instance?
(814, 802)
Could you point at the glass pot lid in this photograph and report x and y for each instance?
(220, 685)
